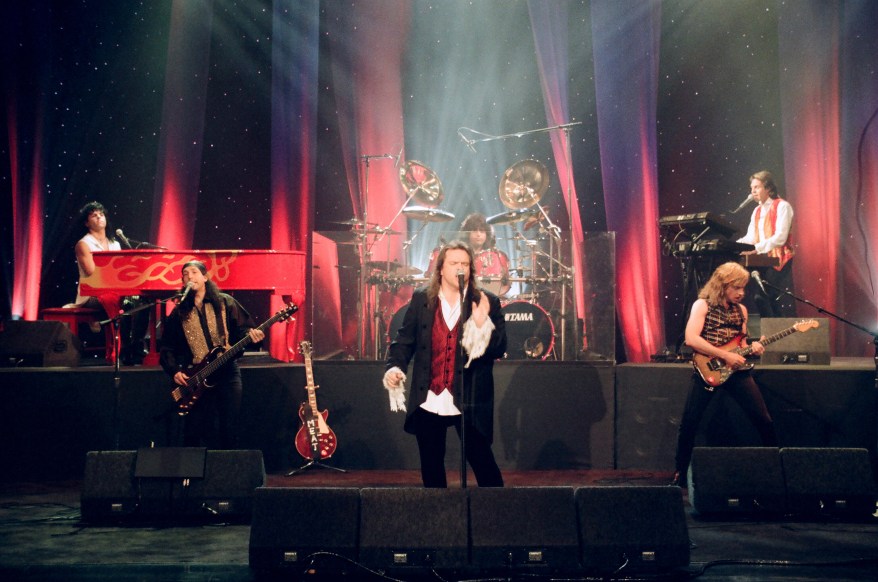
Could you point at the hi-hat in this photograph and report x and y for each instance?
(421, 183)
(425, 214)
(512, 216)
(523, 184)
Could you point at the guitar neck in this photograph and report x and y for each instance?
(234, 350)
(310, 387)
(769, 340)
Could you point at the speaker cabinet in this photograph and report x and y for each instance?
(829, 481)
(807, 347)
(291, 524)
(529, 528)
(736, 480)
(170, 485)
(632, 529)
(38, 343)
(413, 529)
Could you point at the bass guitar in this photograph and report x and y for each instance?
(715, 372)
(315, 441)
(186, 395)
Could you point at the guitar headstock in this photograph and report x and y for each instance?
(806, 324)
(305, 348)
(287, 311)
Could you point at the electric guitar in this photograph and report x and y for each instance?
(315, 441)
(714, 371)
(187, 395)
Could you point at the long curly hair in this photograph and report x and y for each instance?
(473, 293)
(478, 221)
(723, 277)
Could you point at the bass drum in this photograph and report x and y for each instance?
(530, 334)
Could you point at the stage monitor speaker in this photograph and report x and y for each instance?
(413, 530)
(736, 480)
(808, 347)
(829, 481)
(169, 485)
(632, 530)
(38, 343)
(292, 524)
(528, 529)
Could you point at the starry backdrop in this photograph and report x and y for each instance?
(84, 85)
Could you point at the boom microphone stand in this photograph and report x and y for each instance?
(834, 316)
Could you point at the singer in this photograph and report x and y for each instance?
(94, 217)
(770, 232)
(204, 319)
(433, 331)
(716, 319)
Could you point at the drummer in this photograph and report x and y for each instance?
(492, 264)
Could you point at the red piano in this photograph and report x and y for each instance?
(158, 272)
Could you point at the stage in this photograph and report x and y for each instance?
(548, 415)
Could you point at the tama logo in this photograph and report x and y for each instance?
(518, 316)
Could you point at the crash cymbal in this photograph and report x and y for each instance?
(523, 184)
(378, 230)
(351, 222)
(393, 267)
(427, 214)
(421, 183)
(512, 216)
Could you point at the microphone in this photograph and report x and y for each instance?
(186, 291)
(123, 238)
(758, 279)
(460, 281)
(741, 206)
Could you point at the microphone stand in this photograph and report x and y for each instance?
(837, 318)
(116, 321)
(464, 393)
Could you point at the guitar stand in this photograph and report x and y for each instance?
(317, 464)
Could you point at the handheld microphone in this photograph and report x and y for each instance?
(186, 291)
(460, 281)
(741, 206)
(123, 238)
(758, 279)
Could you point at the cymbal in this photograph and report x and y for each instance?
(378, 230)
(523, 184)
(341, 237)
(427, 214)
(393, 267)
(421, 183)
(351, 222)
(512, 216)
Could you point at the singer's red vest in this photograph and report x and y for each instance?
(444, 353)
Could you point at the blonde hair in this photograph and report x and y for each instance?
(723, 277)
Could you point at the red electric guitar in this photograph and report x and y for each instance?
(715, 372)
(315, 441)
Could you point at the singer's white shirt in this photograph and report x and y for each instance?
(782, 228)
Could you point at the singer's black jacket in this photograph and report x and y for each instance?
(414, 340)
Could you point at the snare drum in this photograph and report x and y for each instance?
(530, 334)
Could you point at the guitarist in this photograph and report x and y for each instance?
(205, 319)
(716, 319)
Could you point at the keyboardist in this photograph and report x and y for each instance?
(94, 217)
(770, 233)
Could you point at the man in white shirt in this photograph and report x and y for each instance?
(770, 232)
(453, 355)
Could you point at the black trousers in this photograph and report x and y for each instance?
(744, 390)
(431, 429)
(775, 303)
(213, 421)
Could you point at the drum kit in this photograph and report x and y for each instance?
(539, 269)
